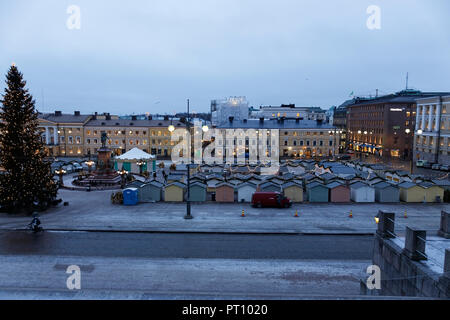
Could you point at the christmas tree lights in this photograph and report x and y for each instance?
(26, 181)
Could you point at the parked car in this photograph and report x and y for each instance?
(436, 166)
(421, 163)
(77, 167)
(270, 199)
(427, 165)
(345, 157)
(445, 167)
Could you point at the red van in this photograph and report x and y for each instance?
(270, 199)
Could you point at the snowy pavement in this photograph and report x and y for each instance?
(45, 277)
(93, 211)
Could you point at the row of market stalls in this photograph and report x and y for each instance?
(300, 189)
(301, 181)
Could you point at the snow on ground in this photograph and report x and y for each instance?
(39, 276)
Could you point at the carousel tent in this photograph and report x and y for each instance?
(128, 161)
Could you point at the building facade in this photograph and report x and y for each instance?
(63, 134)
(384, 126)
(76, 135)
(297, 138)
(432, 131)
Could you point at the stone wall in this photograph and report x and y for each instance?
(400, 276)
(402, 262)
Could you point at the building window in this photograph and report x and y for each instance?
(70, 140)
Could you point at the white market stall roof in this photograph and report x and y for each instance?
(135, 154)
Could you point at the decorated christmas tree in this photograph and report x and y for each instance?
(26, 181)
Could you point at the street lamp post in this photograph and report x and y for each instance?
(123, 173)
(140, 164)
(89, 163)
(188, 215)
(60, 173)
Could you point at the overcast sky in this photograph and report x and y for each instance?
(150, 56)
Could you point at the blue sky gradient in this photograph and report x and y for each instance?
(150, 56)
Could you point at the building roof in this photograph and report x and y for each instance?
(250, 184)
(407, 185)
(404, 96)
(134, 123)
(291, 184)
(359, 184)
(315, 184)
(334, 184)
(135, 154)
(276, 124)
(383, 185)
(177, 184)
(444, 182)
(199, 184)
(65, 117)
(224, 184)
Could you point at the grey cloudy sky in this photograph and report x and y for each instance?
(150, 56)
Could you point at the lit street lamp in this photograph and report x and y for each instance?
(123, 175)
(60, 173)
(89, 163)
(140, 164)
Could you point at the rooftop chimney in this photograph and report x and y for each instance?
(77, 113)
(134, 118)
(58, 113)
(231, 119)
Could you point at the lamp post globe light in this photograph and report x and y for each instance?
(123, 173)
(60, 173)
(89, 163)
(140, 164)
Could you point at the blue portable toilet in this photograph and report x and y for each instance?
(130, 197)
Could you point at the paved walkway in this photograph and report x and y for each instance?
(94, 211)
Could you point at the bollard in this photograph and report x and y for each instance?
(415, 243)
(444, 229)
(386, 224)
